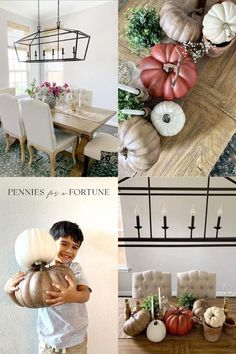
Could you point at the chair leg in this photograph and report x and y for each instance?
(22, 147)
(86, 162)
(52, 163)
(74, 147)
(31, 153)
(7, 142)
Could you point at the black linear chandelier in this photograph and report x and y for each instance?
(52, 45)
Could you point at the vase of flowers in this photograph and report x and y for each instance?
(52, 92)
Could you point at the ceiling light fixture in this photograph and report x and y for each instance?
(52, 45)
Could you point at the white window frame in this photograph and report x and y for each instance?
(25, 32)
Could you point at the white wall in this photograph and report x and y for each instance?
(221, 260)
(98, 72)
(97, 217)
(4, 74)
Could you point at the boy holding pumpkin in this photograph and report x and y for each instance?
(62, 327)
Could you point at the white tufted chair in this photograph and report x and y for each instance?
(41, 133)
(147, 282)
(11, 118)
(200, 283)
(93, 149)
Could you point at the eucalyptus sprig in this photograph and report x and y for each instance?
(127, 100)
(143, 30)
(147, 303)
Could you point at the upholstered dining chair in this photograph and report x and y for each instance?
(148, 282)
(93, 149)
(199, 283)
(11, 118)
(41, 134)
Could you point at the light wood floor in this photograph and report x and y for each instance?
(210, 110)
(192, 343)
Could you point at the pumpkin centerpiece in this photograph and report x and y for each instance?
(219, 28)
(156, 331)
(178, 320)
(34, 249)
(181, 21)
(168, 118)
(214, 317)
(137, 323)
(139, 145)
(168, 72)
(199, 308)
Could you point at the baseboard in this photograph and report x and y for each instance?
(128, 293)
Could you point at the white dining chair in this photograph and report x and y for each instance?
(197, 282)
(11, 118)
(41, 134)
(93, 149)
(147, 283)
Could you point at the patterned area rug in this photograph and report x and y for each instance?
(226, 164)
(11, 165)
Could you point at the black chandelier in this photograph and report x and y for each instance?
(52, 45)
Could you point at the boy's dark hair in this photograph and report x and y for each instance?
(65, 229)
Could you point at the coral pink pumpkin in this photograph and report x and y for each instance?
(178, 320)
(168, 72)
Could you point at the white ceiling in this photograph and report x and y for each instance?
(48, 8)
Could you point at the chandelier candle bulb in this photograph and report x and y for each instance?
(219, 212)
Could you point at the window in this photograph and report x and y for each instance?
(18, 73)
(54, 72)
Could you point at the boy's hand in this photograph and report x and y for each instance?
(12, 284)
(66, 295)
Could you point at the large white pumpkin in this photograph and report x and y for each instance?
(219, 24)
(168, 118)
(34, 246)
(214, 316)
(156, 331)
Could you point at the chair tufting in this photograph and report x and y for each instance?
(200, 283)
(148, 282)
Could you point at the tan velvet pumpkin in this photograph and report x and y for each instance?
(199, 307)
(137, 323)
(139, 145)
(179, 20)
(38, 280)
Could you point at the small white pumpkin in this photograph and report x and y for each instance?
(219, 24)
(34, 246)
(156, 331)
(168, 118)
(214, 316)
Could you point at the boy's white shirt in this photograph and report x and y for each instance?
(64, 326)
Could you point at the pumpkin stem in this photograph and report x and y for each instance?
(166, 118)
(124, 152)
(227, 26)
(174, 67)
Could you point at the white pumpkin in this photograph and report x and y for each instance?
(156, 331)
(214, 316)
(168, 118)
(34, 246)
(219, 24)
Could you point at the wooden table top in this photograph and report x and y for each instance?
(191, 343)
(84, 123)
(210, 110)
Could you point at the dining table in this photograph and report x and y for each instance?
(192, 343)
(84, 122)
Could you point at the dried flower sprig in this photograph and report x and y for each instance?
(196, 50)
